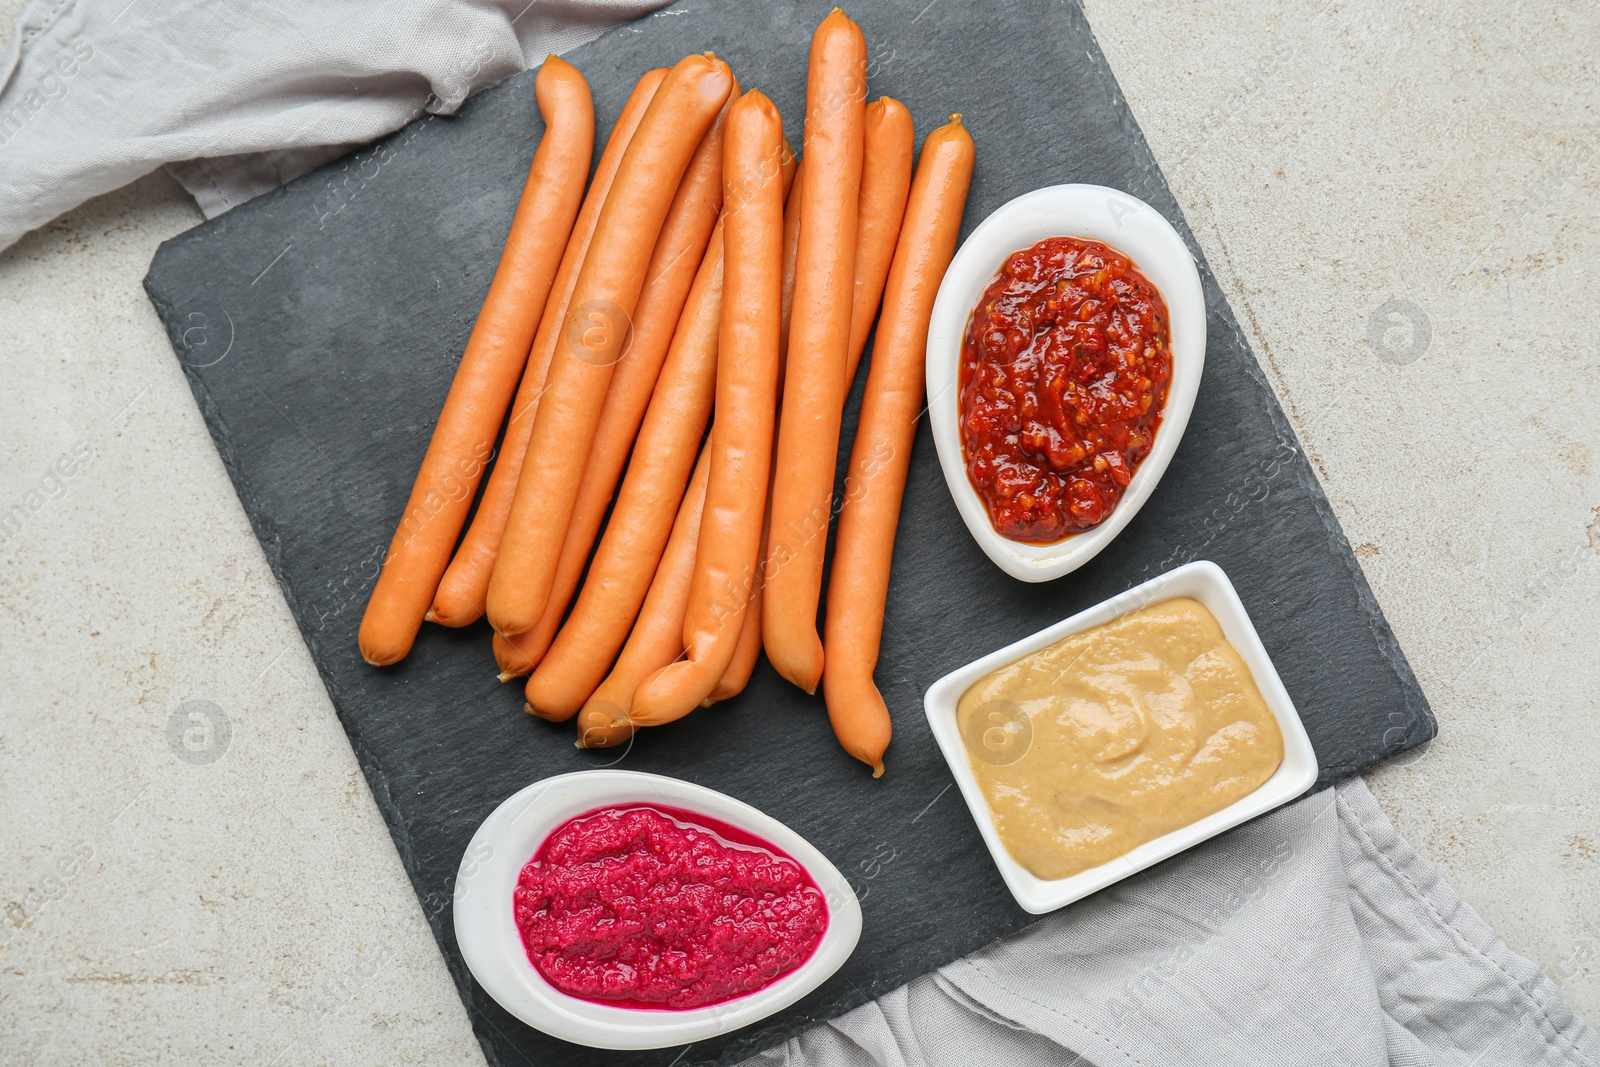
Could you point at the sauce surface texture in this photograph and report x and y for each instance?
(1064, 373)
(1114, 736)
(649, 907)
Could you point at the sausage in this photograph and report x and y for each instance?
(642, 518)
(509, 657)
(497, 350)
(741, 442)
(594, 335)
(859, 584)
(819, 337)
(737, 676)
(885, 183)
(791, 246)
(460, 598)
(673, 266)
(657, 637)
(746, 652)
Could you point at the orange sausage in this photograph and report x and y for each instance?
(518, 654)
(657, 638)
(642, 519)
(463, 438)
(859, 584)
(737, 676)
(819, 338)
(747, 651)
(509, 658)
(741, 443)
(677, 257)
(791, 175)
(465, 584)
(885, 183)
(593, 337)
(791, 246)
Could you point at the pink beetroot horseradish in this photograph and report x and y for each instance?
(660, 908)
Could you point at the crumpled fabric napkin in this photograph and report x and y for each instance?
(239, 97)
(1314, 935)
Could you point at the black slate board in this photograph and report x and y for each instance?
(320, 324)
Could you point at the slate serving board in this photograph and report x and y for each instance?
(319, 326)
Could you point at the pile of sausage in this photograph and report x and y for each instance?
(706, 271)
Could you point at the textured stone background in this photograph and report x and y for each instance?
(1359, 174)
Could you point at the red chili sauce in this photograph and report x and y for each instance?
(1064, 374)
(653, 907)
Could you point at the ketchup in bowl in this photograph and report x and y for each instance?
(1065, 367)
(659, 908)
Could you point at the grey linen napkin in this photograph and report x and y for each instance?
(239, 97)
(1314, 935)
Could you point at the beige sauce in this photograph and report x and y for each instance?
(1112, 737)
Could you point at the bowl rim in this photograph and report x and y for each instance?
(491, 945)
(1205, 582)
(1134, 228)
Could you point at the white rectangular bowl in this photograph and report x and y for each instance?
(1205, 582)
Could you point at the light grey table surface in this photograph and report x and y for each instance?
(1400, 202)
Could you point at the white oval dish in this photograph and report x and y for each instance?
(491, 944)
(1096, 213)
(1205, 582)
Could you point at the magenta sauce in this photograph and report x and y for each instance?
(644, 906)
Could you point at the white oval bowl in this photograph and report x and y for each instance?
(1204, 581)
(492, 946)
(1137, 230)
